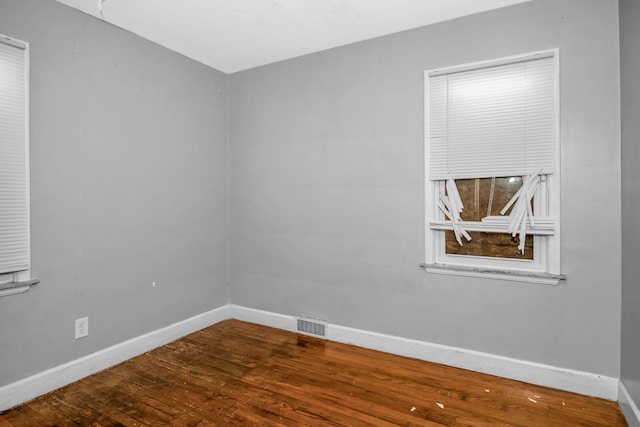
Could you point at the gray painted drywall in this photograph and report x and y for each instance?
(327, 190)
(129, 187)
(630, 88)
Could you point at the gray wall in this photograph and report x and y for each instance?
(129, 186)
(327, 190)
(630, 70)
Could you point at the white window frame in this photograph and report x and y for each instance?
(545, 266)
(14, 282)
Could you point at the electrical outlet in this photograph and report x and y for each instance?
(82, 327)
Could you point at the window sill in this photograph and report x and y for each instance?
(488, 273)
(13, 288)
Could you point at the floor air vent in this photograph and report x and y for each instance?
(317, 328)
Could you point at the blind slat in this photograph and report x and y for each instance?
(493, 120)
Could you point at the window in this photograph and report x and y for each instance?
(492, 169)
(14, 168)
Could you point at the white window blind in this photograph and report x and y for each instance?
(14, 173)
(497, 119)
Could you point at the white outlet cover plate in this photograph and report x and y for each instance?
(82, 327)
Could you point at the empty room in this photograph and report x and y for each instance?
(319, 212)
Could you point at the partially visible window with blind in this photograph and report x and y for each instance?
(14, 165)
(492, 167)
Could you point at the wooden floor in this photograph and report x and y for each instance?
(236, 373)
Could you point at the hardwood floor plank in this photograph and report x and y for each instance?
(26, 416)
(343, 406)
(48, 414)
(237, 373)
(358, 385)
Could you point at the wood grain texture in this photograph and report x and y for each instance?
(237, 373)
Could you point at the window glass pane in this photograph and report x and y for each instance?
(483, 197)
(496, 245)
(476, 196)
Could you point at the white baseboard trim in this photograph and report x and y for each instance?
(522, 370)
(628, 406)
(261, 317)
(31, 387)
(587, 383)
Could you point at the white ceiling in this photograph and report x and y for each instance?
(234, 35)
